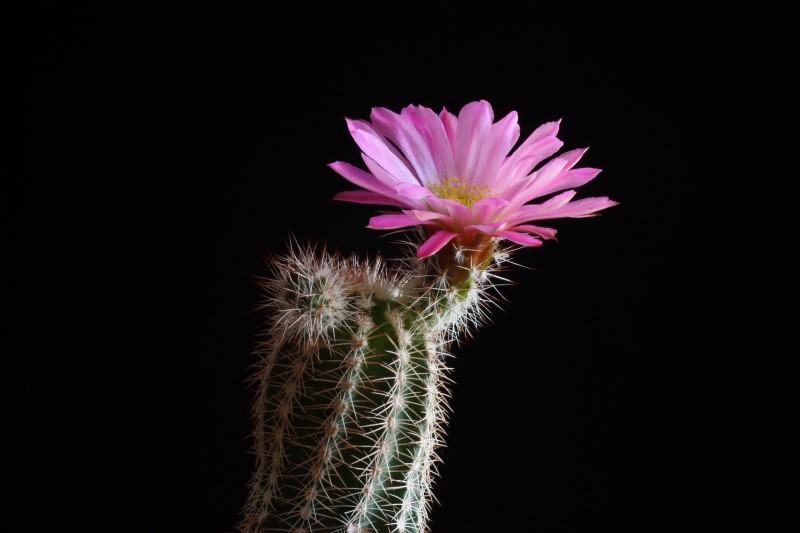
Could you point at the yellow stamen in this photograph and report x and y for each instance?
(459, 190)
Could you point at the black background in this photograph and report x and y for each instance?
(169, 150)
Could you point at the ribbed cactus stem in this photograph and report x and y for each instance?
(351, 401)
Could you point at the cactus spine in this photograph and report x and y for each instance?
(351, 390)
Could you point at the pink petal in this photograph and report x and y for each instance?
(430, 126)
(356, 176)
(556, 201)
(413, 191)
(377, 149)
(513, 174)
(569, 179)
(488, 212)
(551, 177)
(519, 238)
(573, 156)
(384, 177)
(491, 229)
(548, 129)
(586, 207)
(436, 204)
(435, 243)
(546, 233)
(368, 197)
(403, 134)
(474, 122)
(499, 141)
(368, 127)
(492, 201)
(450, 124)
(540, 211)
(537, 143)
(454, 215)
(459, 213)
(426, 216)
(393, 221)
(582, 176)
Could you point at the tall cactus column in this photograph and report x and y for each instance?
(350, 405)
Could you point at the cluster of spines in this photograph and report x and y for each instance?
(352, 392)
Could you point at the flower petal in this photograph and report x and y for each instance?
(492, 201)
(569, 179)
(356, 176)
(402, 133)
(586, 207)
(520, 238)
(542, 143)
(368, 197)
(548, 129)
(488, 212)
(436, 242)
(430, 126)
(382, 175)
(556, 175)
(450, 124)
(368, 127)
(413, 191)
(513, 176)
(460, 214)
(378, 150)
(490, 229)
(425, 216)
(540, 211)
(499, 141)
(545, 233)
(394, 221)
(474, 122)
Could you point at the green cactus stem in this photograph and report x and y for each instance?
(352, 385)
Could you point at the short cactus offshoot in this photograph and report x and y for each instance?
(352, 379)
(352, 389)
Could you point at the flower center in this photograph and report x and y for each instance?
(459, 190)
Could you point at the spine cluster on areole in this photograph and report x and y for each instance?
(352, 387)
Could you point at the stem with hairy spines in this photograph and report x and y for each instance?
(352, 389)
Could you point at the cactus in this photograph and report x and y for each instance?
(352, 389)
(352, 379)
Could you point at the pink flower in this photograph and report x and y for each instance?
(457, 177)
